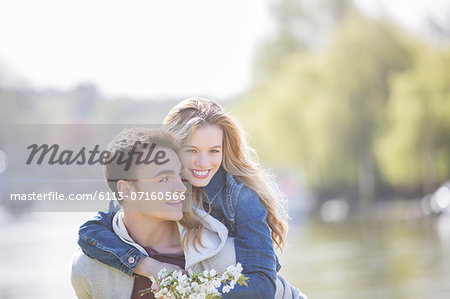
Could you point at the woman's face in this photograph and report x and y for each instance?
(202, 155)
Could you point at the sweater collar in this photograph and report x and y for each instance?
(213, 238)
(121, 230)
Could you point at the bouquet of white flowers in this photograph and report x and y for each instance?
(205, 284)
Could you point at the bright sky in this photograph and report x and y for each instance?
(139, 47)
(144, 48)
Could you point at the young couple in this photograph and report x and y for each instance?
(231, 213)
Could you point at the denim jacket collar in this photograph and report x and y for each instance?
(216, 184)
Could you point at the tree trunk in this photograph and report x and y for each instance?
(429, 176)
(366, 178)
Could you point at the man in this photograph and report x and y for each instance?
(150, 193)
(151, 226)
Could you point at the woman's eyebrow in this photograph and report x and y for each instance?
(193, 146)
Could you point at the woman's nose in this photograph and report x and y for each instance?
(201, 160)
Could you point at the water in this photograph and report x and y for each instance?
(363, 259)
(35, 254)
(352, 259)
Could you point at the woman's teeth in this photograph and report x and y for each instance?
(200, 173)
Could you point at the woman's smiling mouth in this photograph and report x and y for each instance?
(201, 174)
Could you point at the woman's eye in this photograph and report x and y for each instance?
(191, 151)
(214, 151)
(164, 179)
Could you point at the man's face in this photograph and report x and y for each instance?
(158, 188)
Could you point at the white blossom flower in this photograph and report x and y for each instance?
(178, 285)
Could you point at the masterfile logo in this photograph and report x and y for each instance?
(95, 156)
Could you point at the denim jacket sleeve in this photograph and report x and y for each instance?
(254, 248)
(98, 241)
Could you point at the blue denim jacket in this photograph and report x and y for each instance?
(232, 203)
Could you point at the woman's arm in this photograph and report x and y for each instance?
(97, 239)
(254, 248)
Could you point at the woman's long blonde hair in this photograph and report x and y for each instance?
(239, 160)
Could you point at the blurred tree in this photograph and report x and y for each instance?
(361, 61)
(440, 28)
(84, 98)
(322, 111)
(415, 149)
(299, 26)
(15, 103)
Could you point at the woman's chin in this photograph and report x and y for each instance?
(200, 182)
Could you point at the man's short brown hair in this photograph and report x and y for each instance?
(139, 139)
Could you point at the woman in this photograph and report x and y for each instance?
(232, 187)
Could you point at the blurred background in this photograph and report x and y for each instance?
(348, 102)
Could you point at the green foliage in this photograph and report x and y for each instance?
(300, 26)
(415, 147)
(370, 109)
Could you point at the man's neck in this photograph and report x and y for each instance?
(161, 235)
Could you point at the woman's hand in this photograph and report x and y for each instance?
(148, 266)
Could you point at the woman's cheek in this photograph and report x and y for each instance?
(186, 159)
(218, 160)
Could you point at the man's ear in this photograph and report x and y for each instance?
(125, 188)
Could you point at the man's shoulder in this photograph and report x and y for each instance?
(83, 265)
(93, 279)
